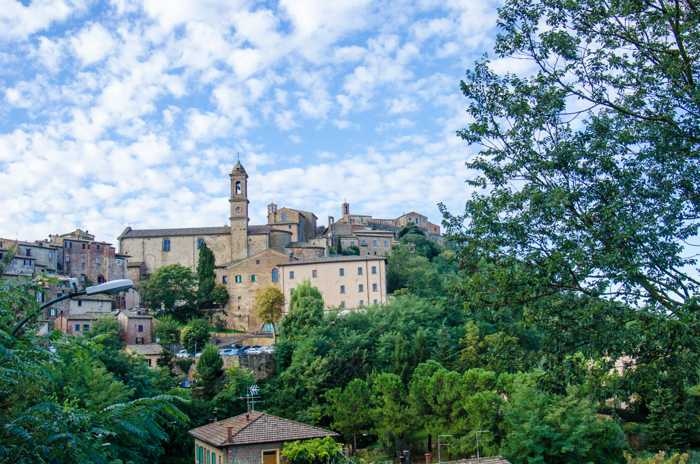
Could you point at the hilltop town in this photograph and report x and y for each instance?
(291, 247)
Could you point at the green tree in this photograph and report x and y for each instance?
(194, 334)
(410, 229)
(208, 371)
(206, 277)
(589, 170)
(304, 289)
(168, 288)
(550, 428)
(351, 250)
(314, 451)
(351, 409)
(167, 329)
(392, 417)
(268, 306)
(219, 295)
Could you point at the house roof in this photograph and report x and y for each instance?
(131, 233)
(148, 348)
(303, 245)
(134, 263)
(134, 314)
(334, 259)
(260, 428)
(85, 316)
(94, 297)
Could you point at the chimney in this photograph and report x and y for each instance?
(211, 421)
(216, 419)
(229, 432)
(427, 458)
(247, 417)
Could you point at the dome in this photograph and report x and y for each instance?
(239, 166)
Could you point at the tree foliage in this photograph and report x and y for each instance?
(194, 334)
(169, 287)
(314, 451)
(268, 306)
(348, 407)
(206, 277)
(304, 290)
(208, 370)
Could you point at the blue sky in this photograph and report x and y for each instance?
(118, 113)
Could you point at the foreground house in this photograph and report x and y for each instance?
(252, 438)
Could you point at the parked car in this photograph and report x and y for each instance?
(182, 354)
(198, 354)
(228, 352)
(269, 349)
(256, 350)
(246, 349)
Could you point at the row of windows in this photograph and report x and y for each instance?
(314, 274)
(364, 242)
(85, 246)
(360, 288)
(82, 260)
(204, 456)
(362, 303)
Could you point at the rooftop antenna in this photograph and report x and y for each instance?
(252, 397)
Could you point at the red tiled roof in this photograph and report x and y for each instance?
(260, 428)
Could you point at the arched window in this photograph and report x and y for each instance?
(238, 188)
(275, 275)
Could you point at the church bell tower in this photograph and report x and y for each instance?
(239, 212)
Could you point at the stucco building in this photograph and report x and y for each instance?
(83, 257)
(344, 281)
(251, 438)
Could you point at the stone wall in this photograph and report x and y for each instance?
(261, 365)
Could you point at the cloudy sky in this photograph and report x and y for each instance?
(121, 112)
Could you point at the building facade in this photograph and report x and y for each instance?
(344, 281)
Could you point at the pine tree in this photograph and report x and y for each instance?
(445, 353)
(206, 276)
(209, 370)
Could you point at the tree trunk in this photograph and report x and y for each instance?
(354, 440)
(430, 443)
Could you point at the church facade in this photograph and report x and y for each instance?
(237, 246)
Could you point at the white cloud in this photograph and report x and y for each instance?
(92, 44)
(207, 126)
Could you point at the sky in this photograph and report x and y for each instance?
(133, 113)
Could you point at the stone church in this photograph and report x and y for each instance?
(247, 256)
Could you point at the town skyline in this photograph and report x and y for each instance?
(134, 113)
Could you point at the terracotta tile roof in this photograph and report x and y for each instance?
(303, 245)
(169, 232)
(334, 259)
(94, 297)
(148, 348)
(257, 230)
(133, 314)
(86, 316)
(261, 428)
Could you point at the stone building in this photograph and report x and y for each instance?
(303, 224)
(151, 352)
(30, 257)
(251, 438)
(75, 324)
(344, 281)
(81, 256)
(136, 327)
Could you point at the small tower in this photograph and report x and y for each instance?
(239, 212)
(271, 210)
(346, 209)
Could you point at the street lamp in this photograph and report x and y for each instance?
(110, 288)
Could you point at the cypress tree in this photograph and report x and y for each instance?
(205, 276)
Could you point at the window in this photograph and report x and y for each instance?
(82, 260)
(29, 251)
(314, 273)
(100, 303)
(224, 279)
(140, 328)
(374, 301)
(374, 287)
(275, 275)
(98, 247)
(238, 188)
(80, 303)
(257, 261)
(149, 363)
(362, 219)
(77, 327)
(342, 289)
(359, 271)
(27, 262)
(385, 243)
(52, 311)
(342, 304)
(252, 277)
(363, 242)
(409, 219)
(291, 292)
(374, 269)
(68, 245)
(97, 260)
(362, 288)
(86, 327)
(83, 246)
(119, 261)
(101, 279)
(59, 294)
(200, 242)
(284, 216)
(166, 244)
(15, 261)
(374, 242)
(362, 303)
(352, 243)
(239, 279)
(342, 271)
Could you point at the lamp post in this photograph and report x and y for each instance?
(110, 288)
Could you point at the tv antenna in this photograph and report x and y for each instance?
(252, 397)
